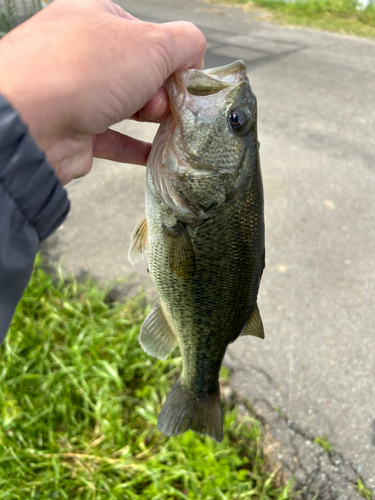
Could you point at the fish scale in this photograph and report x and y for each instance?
(205, 238)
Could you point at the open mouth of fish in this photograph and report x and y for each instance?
(191, 88)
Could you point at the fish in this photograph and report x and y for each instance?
(203, 235)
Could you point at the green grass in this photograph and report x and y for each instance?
(11, 13)
(79, 401)
(323, 442)
(363, 491)
(340, 16)
(7, 17)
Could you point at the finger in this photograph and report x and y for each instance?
(184, 46)
(155, 110)
(112, 145)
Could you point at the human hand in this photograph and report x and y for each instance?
(76, 68)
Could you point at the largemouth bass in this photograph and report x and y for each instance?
(204, 236)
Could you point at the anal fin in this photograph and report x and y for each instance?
(156, 336)
(254, 326)
(138, 242)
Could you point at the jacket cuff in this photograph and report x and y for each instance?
(27, 177)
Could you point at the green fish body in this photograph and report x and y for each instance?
(204, 235)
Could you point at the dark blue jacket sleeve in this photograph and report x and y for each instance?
(33, 204)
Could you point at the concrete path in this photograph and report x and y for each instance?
(314, 373)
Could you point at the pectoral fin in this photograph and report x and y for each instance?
(156, 336)
(180, 250)
(138, 242)
(254, 326)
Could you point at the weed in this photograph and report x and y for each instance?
(322, 441)
(79, 401)
(363, 491)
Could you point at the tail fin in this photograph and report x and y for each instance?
(183, 411)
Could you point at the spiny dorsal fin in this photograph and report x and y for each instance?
(138, 242)
(180, 250)
(156, 336)
(254, 326)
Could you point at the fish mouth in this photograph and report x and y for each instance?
(194, 82)
(233, 73)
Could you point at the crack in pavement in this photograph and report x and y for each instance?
(318, 474)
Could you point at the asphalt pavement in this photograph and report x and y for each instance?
(313, 375)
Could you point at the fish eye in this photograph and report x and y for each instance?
(238, 118)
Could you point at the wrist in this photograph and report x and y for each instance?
(27, 178)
